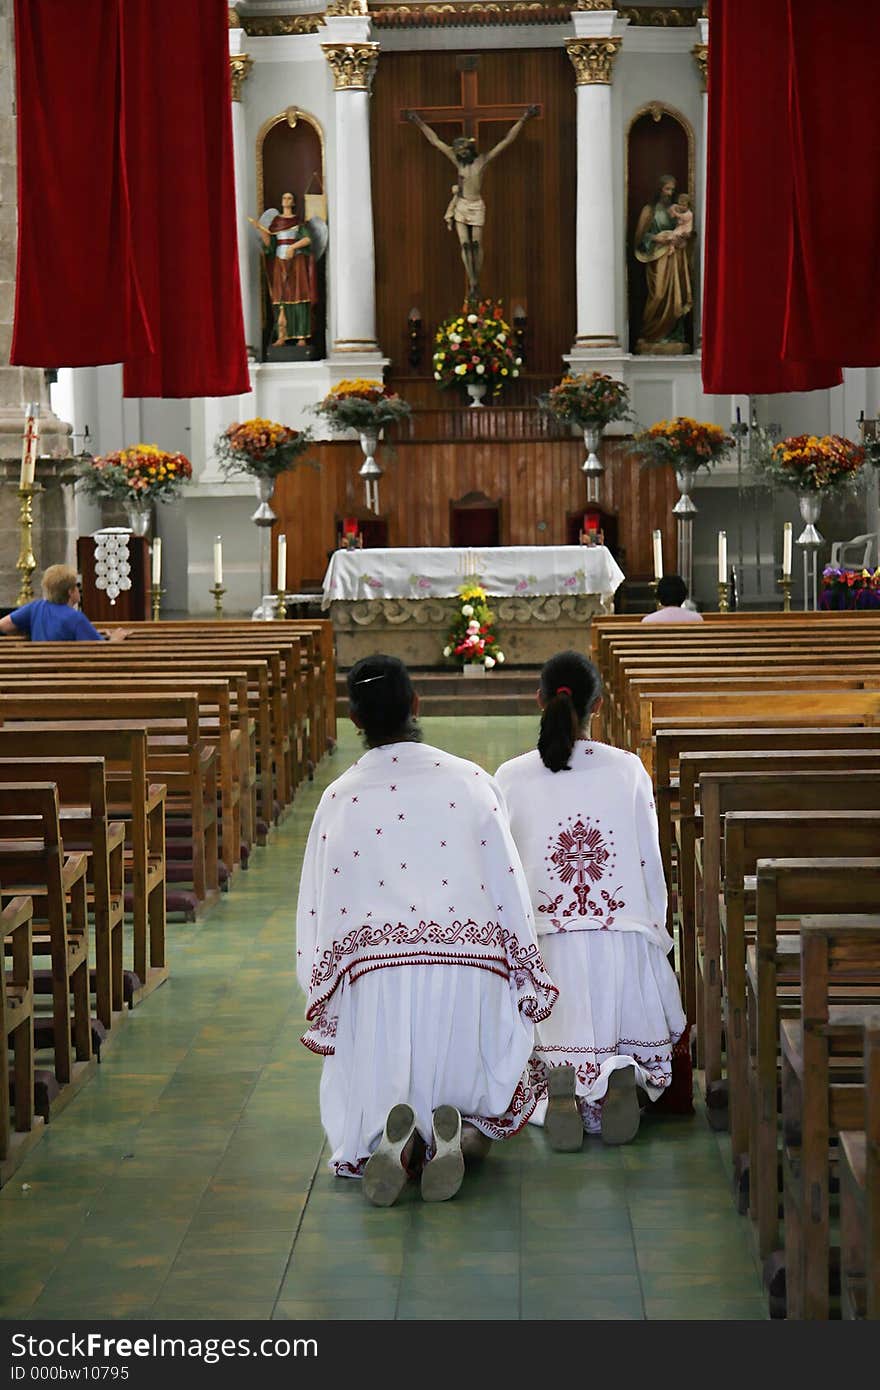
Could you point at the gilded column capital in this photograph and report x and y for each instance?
(701, 58)
(350, 8)
(594, 5)
(352, 64)
(240, 65)
(234, 21)
(593, 59)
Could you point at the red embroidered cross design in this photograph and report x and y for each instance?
(580, 854)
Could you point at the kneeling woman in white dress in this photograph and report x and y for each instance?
(416, 947)
(584, 822)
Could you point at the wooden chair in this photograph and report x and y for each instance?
(822, 1093)
(475, 520)
(17, 1036)
(860, 1194)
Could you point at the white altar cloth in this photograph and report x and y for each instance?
(516, 571)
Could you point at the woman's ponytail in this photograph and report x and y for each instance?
(570, 687)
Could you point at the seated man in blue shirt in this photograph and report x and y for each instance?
(56, 617)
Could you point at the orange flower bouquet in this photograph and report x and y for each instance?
(362, 405)
(811, 463)
(682, 443)
(262, 448)
(140, 474)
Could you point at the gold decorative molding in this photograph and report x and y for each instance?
(593, 60)
(652, 16)
(701, 58)
(593, 5)
(291, 116)
(352, 64)
(485, 12)
(240, 65)
(347, 7)
(234, 21)
(281, 24)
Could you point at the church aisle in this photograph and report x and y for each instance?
(189, 1179)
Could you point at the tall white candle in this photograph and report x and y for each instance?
(218, 561)
(786, 550)
(157, 562)
(29, 445)
(658, 554)
(282, 563)
(722, 557)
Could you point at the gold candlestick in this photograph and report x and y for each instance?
(218, 591)
(785, 585)
(26, 562)
(281, 604)
(156, 600)
(723, 598)
(654, 583)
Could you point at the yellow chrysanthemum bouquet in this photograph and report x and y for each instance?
(139, 474)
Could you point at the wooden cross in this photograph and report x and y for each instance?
(470, 114)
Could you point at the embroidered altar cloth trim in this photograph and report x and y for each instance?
(505, 571)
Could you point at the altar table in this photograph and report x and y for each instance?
(402, 601)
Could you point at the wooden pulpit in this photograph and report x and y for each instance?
(132, 605)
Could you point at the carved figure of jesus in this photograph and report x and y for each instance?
(466, 210)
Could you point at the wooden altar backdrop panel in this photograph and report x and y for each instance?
(529, 192)
(537, 481)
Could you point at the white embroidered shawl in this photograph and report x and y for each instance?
(410, 861)
(588, 841)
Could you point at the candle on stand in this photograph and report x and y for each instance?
(282, 564)
(218, 560)
(722, 557)
(29, 445)
(157, 562)
(658, 554)
(786, 550)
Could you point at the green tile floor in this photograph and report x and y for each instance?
(189, 1179)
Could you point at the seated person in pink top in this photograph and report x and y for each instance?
(671, 594)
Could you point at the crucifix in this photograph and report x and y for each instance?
(466, 210)
(580, 854)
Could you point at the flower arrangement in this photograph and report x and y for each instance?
(262, 448)
(471, 639)
(141, 473)
(813, 464)
(476, 348)
(592, 399)
(682, 443)
(849, 588)
(361, 405)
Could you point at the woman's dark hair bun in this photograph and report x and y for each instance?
(570, 687)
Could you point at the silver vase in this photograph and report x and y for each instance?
(685, 477)
(264, 515)
(592, 467)
(810, 504)
(369, 469)
(476, 390)
(139, 515)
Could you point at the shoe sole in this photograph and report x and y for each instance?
(620, 1110)
(562, 1123)
(385, 1176)
(442, 1177)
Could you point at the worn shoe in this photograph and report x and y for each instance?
(385, 1176)
(474, 1144)
(563, 1124)
(620, 1108)
(442, 1177)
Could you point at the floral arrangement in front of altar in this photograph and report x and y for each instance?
(811, 463)
(476, 347)
(592, 399)
(682, 443)
(472, 640)
(362, 405)
(849, 588)
(137, 475)
(262, 448)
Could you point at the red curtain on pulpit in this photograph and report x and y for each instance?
(127, 239)
(793, 198)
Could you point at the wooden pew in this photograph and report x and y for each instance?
(860, 1194)
(86, 826)
(140, 804)
(822, 1093)
(786, 888)
(31, 856)
(17, 1036)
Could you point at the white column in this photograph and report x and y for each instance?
(354, 288)
(240, 64)
(592, 53)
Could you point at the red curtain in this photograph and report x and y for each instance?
(127, 246)
(750, 219)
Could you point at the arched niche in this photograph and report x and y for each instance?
(659, 140)
(290, 159)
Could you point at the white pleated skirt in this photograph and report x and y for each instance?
(428, 1035)
(618, 1006)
